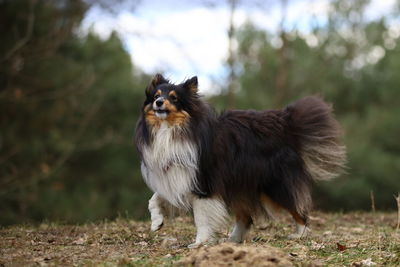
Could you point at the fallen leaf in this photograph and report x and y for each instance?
(341, 247)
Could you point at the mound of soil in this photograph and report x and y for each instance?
(228, 254)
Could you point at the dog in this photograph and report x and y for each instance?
(240, 162)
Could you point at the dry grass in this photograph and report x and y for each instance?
(354, 239)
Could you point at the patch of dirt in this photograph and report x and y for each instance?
(228, 254)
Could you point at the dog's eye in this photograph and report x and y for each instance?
(174, 98)
(156, 96)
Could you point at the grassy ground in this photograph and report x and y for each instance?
(354, 239)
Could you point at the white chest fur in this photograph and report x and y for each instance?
(170, 164)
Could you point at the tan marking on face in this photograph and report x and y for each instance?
(178, 118)
(174, 116)
(152, 119)
(158, 93)
(169, 106)
(173, 93)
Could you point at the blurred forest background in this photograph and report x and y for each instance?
(69, 101)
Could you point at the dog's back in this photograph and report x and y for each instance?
(264, 160)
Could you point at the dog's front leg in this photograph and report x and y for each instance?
(156, 212)
(209, 215)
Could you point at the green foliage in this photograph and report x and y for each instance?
(68, 107)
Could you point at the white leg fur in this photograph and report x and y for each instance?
(238, 233)
(209, 216)
(156, 212)
(301, 231)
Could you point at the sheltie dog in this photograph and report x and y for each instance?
(243, 162)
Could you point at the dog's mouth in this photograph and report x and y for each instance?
(161, 113)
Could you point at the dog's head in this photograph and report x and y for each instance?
(169, 102)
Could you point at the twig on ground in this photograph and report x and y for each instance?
(398, 210)
(372, 200)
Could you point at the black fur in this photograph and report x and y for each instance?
(245, 154)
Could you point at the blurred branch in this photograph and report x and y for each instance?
(110, 137)
(283, 61)
(28, 33)
(80, 130)
(232, 57)
(65, 156)
(397, 198)
(78, 87)
(9, 154)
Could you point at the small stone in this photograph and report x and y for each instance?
(143, 243)
(357, 230)
(168, 242)
(327, 233)
(368, 262)
(81, 240)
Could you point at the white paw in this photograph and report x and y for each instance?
(234, 239)
(299, 235)
(294, 236)
(223, 240)
(156, 225)
(195, 245)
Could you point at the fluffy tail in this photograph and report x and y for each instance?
(318, 134)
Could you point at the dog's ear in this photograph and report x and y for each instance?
(157, 79)
(191, 85)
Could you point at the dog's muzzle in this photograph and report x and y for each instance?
(159, 108)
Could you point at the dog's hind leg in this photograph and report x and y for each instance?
(209, 215)
(301, 225)
(156, 212)
(301, 221)
(241, 227)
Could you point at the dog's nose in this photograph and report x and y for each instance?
(159, 102)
